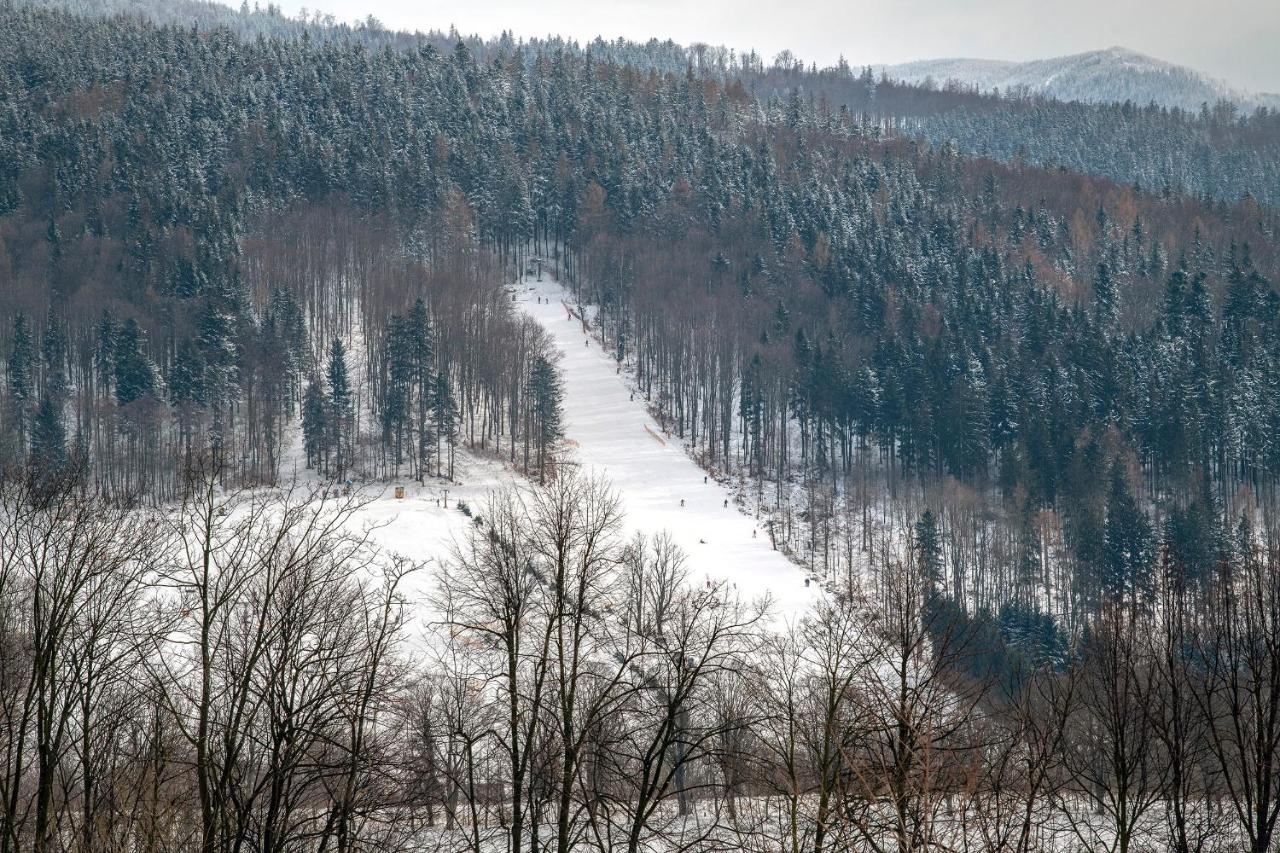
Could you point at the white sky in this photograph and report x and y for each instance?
(1237, 40)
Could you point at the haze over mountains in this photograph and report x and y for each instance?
(1116, 74)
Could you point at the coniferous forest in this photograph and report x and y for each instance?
(1001, 375)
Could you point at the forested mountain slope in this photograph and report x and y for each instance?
(1210, 148)
(195, 225)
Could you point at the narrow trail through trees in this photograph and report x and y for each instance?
(612, 433)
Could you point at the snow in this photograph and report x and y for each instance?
(609, 433)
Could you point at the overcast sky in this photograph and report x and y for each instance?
(1237, 40)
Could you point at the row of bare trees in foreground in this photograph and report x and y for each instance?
(245, 671)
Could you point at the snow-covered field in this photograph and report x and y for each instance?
(608, 432)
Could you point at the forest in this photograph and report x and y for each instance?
(1000, 374)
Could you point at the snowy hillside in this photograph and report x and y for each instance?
(607, 430)
(1115, 74)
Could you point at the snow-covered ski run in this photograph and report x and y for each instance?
(608, 431)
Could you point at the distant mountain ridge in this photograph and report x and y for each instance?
(1116, 74)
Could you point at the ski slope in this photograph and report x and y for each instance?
(609, 432)
(606, 432)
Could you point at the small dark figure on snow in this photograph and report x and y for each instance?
(682, 502)
(726, 503)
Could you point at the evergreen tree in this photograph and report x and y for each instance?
(104, 355)
(751, 410)
(340, 418)
(53, 351)
(287, 323)
(21, 378)
(398, 384)
(216, 336)
(928, 543)
(186, 376)
(135, 375)
(421, 353)
(1127, 553)
(48, 438)
(1105, 301)
(546, 395)
(316, 434)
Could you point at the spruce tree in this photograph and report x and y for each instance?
(340, 418)
(546, 395)
(421, 354)
(1105, 298)
(216, 338)
(104, 354)
(48, 437)
(929, 550)
(1127, 552)
(315, 424)
(186, 389)
(21, 377)
(135, 375)
(398, 382)
(53, 352)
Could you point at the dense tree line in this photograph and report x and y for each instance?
(972, 339)
(241, 671)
